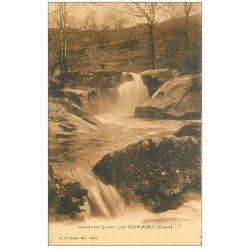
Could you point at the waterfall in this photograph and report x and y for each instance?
(131, 94)
(103, 200)
(100, 99)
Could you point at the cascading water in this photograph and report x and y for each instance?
(131, 94)
(101, 105)
(103, 200)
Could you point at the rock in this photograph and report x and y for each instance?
(54, 87)
(111, 94)
(193, 129)
(109, 98)
(80, 97)
(103, 79)
(178, 98)
(67, 127)
(93, 101)
(75, 96)
(153, 171)
(72, 108)
(149, 112)
(126, 77)
(157, 73)
(152, 84)
(158, 113)
(154, 78)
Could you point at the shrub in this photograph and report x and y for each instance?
(65, 199)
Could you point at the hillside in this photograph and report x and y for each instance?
(127, 49)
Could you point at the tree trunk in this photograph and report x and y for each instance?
(187, 31)
(63, 61)
(151, 39)
(187, 8)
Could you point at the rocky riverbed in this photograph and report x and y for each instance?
(124, 162)
(175, 98)
(155, 171)
(73, 154)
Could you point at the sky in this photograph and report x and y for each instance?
(81, 10)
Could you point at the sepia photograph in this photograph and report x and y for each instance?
(125, 123)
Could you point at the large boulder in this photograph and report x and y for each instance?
(177, 98)
(79, 97)
(157, 73)
(153, 171)
(193, 129)
(102, 79)
(154, 78)
(76, 110)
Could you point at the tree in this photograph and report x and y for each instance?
(59, 22)
(150, 13)
(54, 50)
(192, 59)
(95, 56)
(187, 11)
(98, 30)
(62, 27)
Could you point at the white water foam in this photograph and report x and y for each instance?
(103, 200)
(131, 94)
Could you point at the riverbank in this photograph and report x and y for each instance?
(72, 157)
(181, 226)
(75, 146)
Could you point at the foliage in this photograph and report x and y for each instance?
(175, 43)
(54, 50)
(175, 53)
(65, 199)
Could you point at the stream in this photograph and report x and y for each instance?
(73, 156)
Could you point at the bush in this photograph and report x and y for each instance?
(65, 199)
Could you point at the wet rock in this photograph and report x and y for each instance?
(82, 98)
(63, 136)
(103, 79)
(153, 79)
(71, 108)
(126, 77)
(157, 73)
(149, 112)
(178, 98)
(153, 171)
(76, 102)
(74, 96)
(152, 84)
(158, 113)
(193, 129)
(109, 98)
(67, 127)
